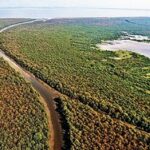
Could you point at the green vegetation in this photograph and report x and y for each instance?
(90, 130)
(147, 75)
(63, 53)
(122, 55)
(23, 121)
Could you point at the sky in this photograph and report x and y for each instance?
(131, 4)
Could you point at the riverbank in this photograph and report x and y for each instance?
(47, 96)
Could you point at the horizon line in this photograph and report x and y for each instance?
(139, 9)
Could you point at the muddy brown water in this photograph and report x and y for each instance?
(47, 95)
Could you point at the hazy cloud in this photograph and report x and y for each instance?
(141, 4)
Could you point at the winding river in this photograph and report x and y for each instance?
(47, 95)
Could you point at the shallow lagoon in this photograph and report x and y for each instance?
(142, 48)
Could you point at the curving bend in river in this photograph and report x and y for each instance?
(47, 95)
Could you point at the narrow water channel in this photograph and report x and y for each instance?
(46, 92)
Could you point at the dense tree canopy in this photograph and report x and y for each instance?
(63, 53)
(23, 121)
